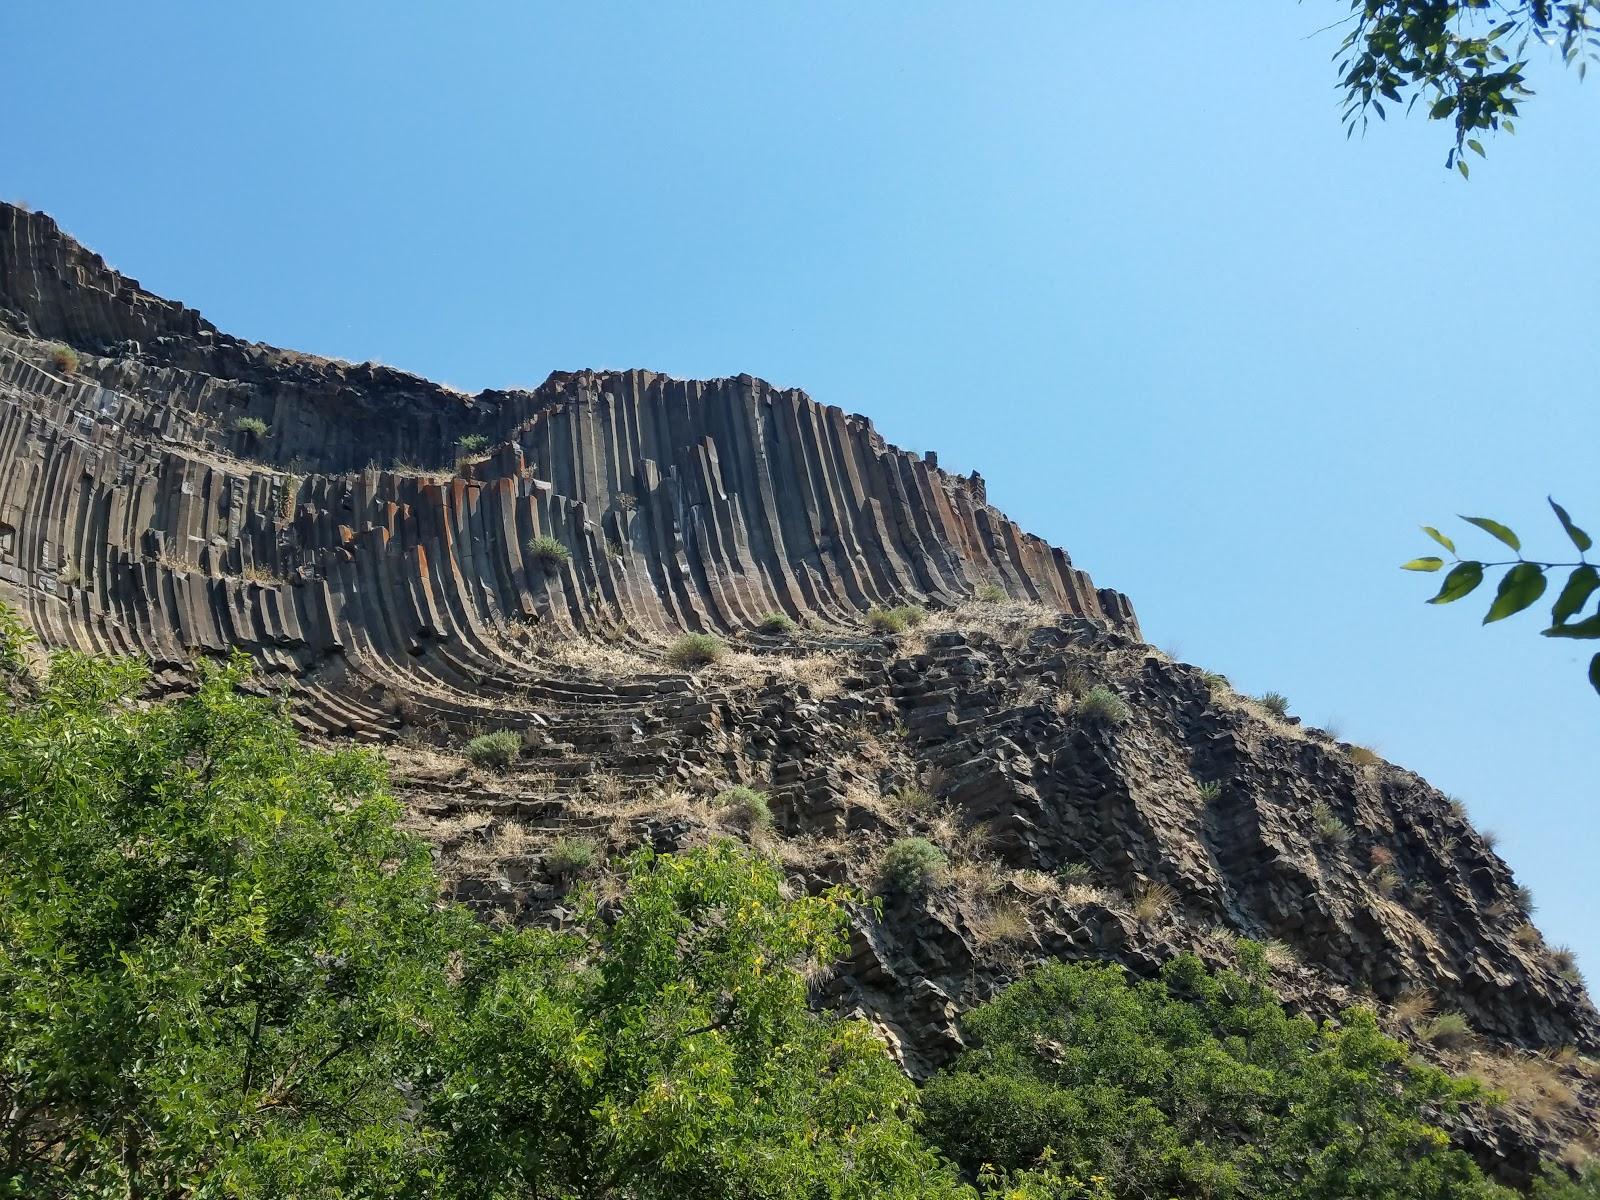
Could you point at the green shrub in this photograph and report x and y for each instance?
(472, 443)
(496, 751)
(913, 865)
(1448, 1030)
(1211, 790)
(1195, 1084)
(1074, 873)
(1330, 829)
(747, 806)
(570, 856)
(1102, 706)
(775, 623)
(992, 593)
(63, 360)
(912, 615)
(1215, 682)
(1556, 1184)
(695, 650)
(548, 551)
(886, 620)
(252, 427)
(1275, 703)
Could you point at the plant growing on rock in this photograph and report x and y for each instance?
(1101, 706)
(776, 623)
(696, 650)
(748, 807)
(571, 856)
(1363, 756)
(1275, 703)
(1449, 1031)
(495, 751)
(548, 551)
(886, 620)
(1152, 902)
(63, 360)
(472, 443)
(991, 593)
(1331, 831)
(252, 427)
(913, 865)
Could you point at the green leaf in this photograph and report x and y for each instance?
(1461, 165)
(1423, 564)
(1440, 538)
(1475, 144)
(1522, 585)
(1585, 629)
(1580, 539)
(1594, 672)
(1461, 580)
(1580, 586)
(1497, 529)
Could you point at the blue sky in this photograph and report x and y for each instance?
(1121, 260)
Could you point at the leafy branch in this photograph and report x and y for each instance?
(1524, 582)
(1457, 58)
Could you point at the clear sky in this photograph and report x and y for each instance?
(1119, 258)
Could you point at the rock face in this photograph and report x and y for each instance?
(374, 548)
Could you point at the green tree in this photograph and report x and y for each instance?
(1524, 581)
(1193, 1084)
(1464, 60)
(217, 956)
(669, 1052)
(225, 973)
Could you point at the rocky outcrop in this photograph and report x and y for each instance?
(372, 540)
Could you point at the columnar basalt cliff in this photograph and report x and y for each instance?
(370, 539)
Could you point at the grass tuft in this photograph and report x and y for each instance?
(571, 856)
(63, 360)
(548, 551)
(495, 751)
(695, 650)
(746, 806)
(253, 427)
(1102, 706)
(1275, 703)
(776, 623)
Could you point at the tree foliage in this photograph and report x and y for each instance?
(1193, 1084)
(223, 972)
(1525, 581)
(1465, 61)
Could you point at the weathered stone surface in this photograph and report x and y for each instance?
(389, 588)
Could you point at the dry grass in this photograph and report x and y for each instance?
(1280, 956)
(1152, 902)
(1038, 884)
(821, 673)
(1363, 756)
(999, 925)
(1530, 1083)
(1526, 936)
(594, 657)
(1077, 895)
(480, 855)
(1413, 1008)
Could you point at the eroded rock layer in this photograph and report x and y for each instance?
(374, 541)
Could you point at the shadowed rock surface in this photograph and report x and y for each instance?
(379, 567)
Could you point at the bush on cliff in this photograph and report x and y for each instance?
(694, 650)
(1196, 1084)
(495, 751)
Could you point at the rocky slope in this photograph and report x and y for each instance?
(378, 566)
